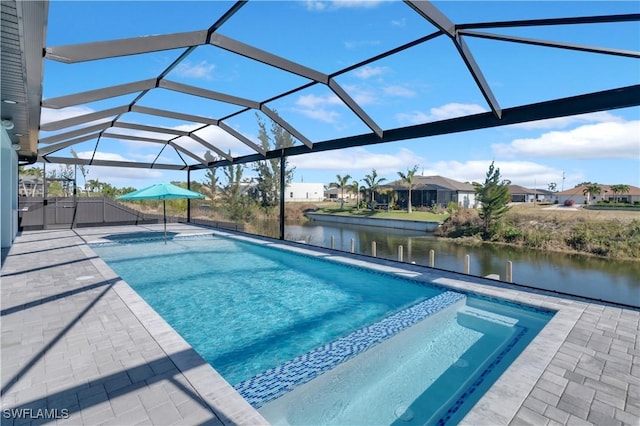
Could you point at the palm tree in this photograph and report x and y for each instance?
(94, 185)
(373, 183)
(591, 190)
(408, 179)
(620, 189)
(615, 191)
(31, 171)
(355, 188)
(341, 182)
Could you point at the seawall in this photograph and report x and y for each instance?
(412, 225)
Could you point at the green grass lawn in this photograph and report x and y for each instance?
(380, 214)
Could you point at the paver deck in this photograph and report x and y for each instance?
(80, 345)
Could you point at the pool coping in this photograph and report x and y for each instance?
(499, 404)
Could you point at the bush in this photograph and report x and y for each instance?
(452, 207)
(605, 203)
(510, 234)
(462, 223)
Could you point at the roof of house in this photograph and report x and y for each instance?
(432, 183)
(517, 190)
(579, 190)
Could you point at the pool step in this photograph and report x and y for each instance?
(488, 316)
(279, 380)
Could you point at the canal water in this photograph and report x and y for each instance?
(600, 279)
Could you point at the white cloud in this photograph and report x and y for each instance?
(356, 44)
(107, 156)
(443, 112)
(356, 3)
(220, 139)
(454, 109)
(357, 161)
(601, 140)
(49, 115)
(399, 91)
(320, 114)
(315, 5)
(563, 122)
(368, 72)
(413, 117)
(319, 5)
(363, 97)
(313, 101)
(316, 107)
(201, 70)
(399, 22)
(119, 176)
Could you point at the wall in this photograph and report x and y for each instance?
(467, 200)
(302, 191)
(8, 191)
(412, 225)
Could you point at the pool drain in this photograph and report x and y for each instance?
(403, 413)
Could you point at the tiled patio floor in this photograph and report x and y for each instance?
(79, 343)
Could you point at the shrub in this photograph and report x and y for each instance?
(462, 223)
(511, 234)
(437, 209)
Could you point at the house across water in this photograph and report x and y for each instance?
(581, 195)
(428, 191)
(520, 194)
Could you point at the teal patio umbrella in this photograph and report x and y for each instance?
(161, 191)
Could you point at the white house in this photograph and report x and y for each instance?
(304, 191)
(520, 194)
(578, 196)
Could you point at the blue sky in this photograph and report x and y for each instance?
(426, 83)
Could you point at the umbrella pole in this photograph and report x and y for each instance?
(164, 213)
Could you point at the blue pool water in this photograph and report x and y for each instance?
(286, 328)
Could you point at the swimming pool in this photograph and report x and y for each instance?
(282, 326)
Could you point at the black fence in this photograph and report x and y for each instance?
(35, 213)
(67, 212)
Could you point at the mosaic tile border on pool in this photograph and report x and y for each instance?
(279, 380)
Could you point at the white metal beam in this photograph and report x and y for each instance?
(124, 47)
(98, 94)
(86, 118)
